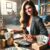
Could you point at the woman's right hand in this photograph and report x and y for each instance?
(24, 36)
(29, 38)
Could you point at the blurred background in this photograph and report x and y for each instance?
(9, 11)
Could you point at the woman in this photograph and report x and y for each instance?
(31, 23)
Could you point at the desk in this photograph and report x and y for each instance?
(32, 46)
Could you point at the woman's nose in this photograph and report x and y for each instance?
(29, 10)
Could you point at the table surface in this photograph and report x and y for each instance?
(15, 48)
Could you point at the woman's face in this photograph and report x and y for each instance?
(28, 10)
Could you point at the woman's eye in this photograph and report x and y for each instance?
(28, 8)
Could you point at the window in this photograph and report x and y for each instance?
(8, 6)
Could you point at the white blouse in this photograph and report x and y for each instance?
(28, 29)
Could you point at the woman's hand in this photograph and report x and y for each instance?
(30, 38)
(27, 37)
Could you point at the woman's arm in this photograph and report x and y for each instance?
(42, 28)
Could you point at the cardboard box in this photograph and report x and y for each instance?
(37, 46)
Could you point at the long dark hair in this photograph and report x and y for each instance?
(24, 17)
